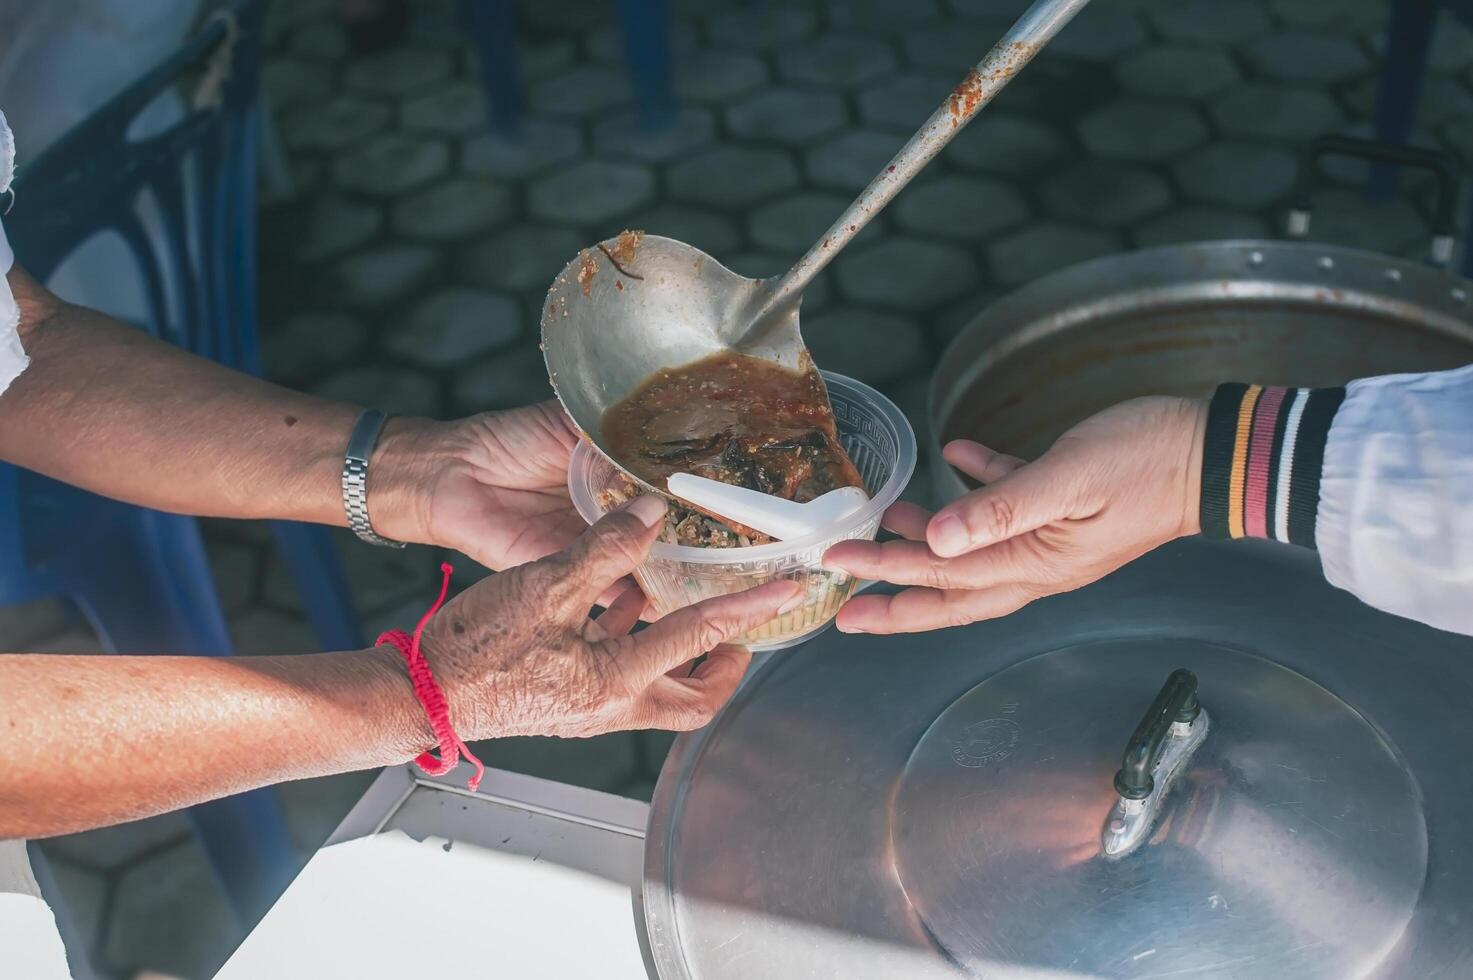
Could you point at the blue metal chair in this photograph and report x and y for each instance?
(493, 30)
(1408, 44)
(140, 576)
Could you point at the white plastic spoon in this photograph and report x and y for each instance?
(783, 519)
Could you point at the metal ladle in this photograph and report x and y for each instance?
(632, 305)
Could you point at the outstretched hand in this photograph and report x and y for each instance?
(1109, 490)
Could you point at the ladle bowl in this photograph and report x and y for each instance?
(625, 308)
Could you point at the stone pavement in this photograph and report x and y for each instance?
(408, 269)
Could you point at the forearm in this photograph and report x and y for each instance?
(111, 409)
(91, 741)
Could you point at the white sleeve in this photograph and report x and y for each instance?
(13, 358)
(1394, 523)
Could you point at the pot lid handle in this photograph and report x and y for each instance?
(1173, 727)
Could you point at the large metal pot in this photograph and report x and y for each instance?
(1179, 320)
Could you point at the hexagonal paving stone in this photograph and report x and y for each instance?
(288, 81)
(34, 620)
(837, 60)
(793, 223)
(170, 916)
(392, 163)
(872, 346)
(623, 134)
(1442, 99)
(708, 231)
(954, 206)
(1195, 224)
(1177, 71)
(759, 26)
(1099, 33)
(1100, 192)
(1332, 14)
(235, 567)
(1451, 51)
(539, 59)
(605, 762)
(1006, 144)
(1344, 217)
(732, 176)
(335, 225)
(949, 50)
(83, 898)
(1213, 22)
(906, 273)
(515, 377)
(454, 326)
(1300, 56)
(452, 209)
(606, 44)
(1237, 174)
(110, 847)
(306, 343)
(789, 116)
(882, 14)
(398, 71)
(904, 101)
(539, 146)
(1043, 247)
(764, 265)
(379, 578)
(522, 257)
(393, 389)
(457, 109)
(851, 160)
(1276, 112)
(581, 92)
(315, 807)
(1132, 129)
(716, 76)
(332, 125)
(382, 274)
(323, 41)
(262, 632)
(590, 192)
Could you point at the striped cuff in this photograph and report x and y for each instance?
(1261, 461)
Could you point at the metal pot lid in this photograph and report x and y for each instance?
(1018, 853)
(941, 805)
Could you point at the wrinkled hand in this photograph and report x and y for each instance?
(493, 486)
(518, 655)
(1109, 490)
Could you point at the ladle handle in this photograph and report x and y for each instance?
(1034, 29)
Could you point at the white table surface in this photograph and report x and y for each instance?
(525, 878)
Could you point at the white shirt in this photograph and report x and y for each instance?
(13, 358)
(1395, 518)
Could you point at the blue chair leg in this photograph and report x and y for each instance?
(144, 583)
(647, 43)
(313, 562)
(493, 29)
(1408, 42)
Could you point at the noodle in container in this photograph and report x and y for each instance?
(879, 440)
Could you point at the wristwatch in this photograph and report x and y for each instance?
(355, 477)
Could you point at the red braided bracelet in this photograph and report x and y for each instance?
(432, 698)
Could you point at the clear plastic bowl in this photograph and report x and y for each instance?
(875, 434)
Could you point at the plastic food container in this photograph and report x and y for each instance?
(879, 439)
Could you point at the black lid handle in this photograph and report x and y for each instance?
(1177, 702)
